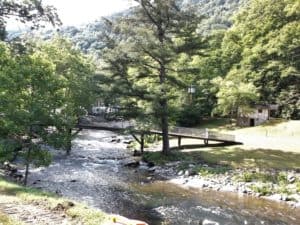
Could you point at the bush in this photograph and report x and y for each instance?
(263, 177)
(8, 149)
(263, 189)
(189, 116)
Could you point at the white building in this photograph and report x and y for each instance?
(259, 115)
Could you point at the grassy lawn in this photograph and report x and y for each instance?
(234, 157)
(20, 194)
(5, 220)
(275, 145)
(258, 158)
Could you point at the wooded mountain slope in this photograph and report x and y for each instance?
(217, 12)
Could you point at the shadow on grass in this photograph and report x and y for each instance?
(234, 157)
(12, 189)
(196, 146)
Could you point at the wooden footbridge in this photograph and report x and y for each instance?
(179, 132)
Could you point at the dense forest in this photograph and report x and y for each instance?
(229, 54)
(86, 37)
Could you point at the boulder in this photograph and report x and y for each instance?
(209, 222)
(17, 176)
(150, 164)
(291, 178)
(137, 153)
(180, 173)
(116, 219)
(131, 163)
(188, 173)
(152, 169)
(275, 197)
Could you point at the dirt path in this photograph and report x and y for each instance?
(32, 213)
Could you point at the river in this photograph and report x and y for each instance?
(94, 174)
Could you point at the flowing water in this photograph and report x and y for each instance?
(94, 174)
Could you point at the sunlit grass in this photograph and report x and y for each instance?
(258, 158)
(5, 220)
(79, 212)
(274, 128)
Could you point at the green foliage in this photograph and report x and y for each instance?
(298, 186)
(257, 176)
(140, 60)
(160, 159)
(31, 12)
(208, 171)
(263, 189)
(189, 116)
(44, 88)
(263, 46)
(8, 149)
(235, 96)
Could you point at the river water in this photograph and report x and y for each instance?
(94, 174)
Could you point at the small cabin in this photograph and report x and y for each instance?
(260, 114)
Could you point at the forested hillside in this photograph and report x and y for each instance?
(176, 62)
(217, 12)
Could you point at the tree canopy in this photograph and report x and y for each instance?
(43, 91)
(32, 12)
(264, 47)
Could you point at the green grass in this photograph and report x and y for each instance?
(262, 189)
(259, 158)
(22, 194)
(216, 123)
(5, 220)
(274, 128)
(160, 159)
(234, 157)
(264, 177)
(208, 171)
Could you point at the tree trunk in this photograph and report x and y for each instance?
(165, 127)
(27, 165)
(164, 112)
(164, 100)
(69, 144)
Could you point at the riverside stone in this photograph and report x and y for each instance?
(180, 173)
(187, 173)
(291, 178)
(209, 222)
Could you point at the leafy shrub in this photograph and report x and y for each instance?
(207, 171)
(263, 177)
(8, 149)
(263, 189)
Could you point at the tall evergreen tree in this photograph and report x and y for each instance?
(142, 50)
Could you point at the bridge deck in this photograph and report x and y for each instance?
(180, 132)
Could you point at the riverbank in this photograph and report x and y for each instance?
(21, 205)
(261, 167)
(280, 186)
(76, 189)
(95, 173)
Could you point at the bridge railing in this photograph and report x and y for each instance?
(189, 131)
(219, 136)
(184, 131)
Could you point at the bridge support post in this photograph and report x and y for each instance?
(206, 141)
(142, 143)
(179, 142)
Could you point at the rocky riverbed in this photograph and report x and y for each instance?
(102, 173)
(232, 181)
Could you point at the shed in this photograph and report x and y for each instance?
(259, 115)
